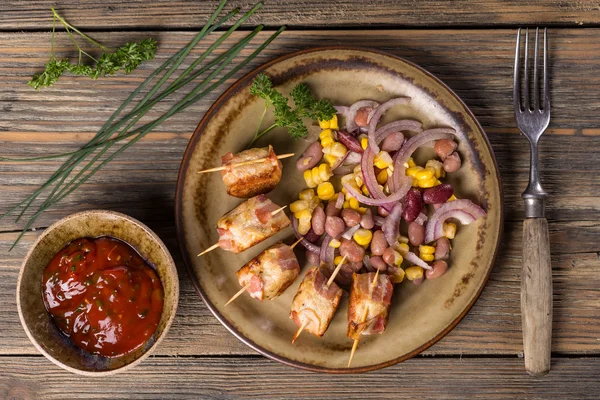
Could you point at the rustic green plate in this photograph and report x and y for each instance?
(420, 315)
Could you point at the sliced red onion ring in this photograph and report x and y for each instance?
(351, 159)
(421, 219)
(463, 210)
(307, 245)
(397, 126)
(339, 202)
(388, 201)
(414, 259)
(350, 231)
(391, 225)
(327, 252)
(351, 113)
(378, 220)
(409, 147)
(377, 114)
(340, 161)
(341, 110)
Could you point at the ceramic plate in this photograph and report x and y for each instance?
(420, 315)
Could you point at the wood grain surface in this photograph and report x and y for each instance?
(199, 358)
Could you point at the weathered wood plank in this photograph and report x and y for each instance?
(256, 378)
(301, 13)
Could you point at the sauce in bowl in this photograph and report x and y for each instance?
(103, 296)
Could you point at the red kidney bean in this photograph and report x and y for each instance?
(351, 217)
(378, 263)
(382, 212)
(367, 221)
(378, 243)
(334, 226)
(310, 157)
(349, 141)
(331, 210)
(413, 205)
(362, 116)
(452, 162)
(311, 236)
(417, 282)
(318, 220)
(439, 268)
(352, 250)
(416, 233)
(390, 256)
(442, 248)
(444, 147)
(312, 258)
(438, 194)
(393, 141)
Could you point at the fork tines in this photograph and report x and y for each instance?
(522, 100)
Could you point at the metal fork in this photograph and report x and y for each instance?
(536, 273)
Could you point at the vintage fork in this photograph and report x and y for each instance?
(536, 274)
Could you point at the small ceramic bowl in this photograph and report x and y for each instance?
(38, 323)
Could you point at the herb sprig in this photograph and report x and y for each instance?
(127, 58)
(306, 106)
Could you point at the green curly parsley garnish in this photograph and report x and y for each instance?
(127, 58)
(306, 106)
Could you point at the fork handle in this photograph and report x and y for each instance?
(536, 296)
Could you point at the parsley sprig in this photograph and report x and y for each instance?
(306, 106)
(127, 57)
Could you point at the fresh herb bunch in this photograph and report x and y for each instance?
(127, 57)
(286, 117)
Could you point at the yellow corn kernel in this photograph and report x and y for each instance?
(411, 162)
(415, 182)
(324, 172)
(363, 236)
(303, 214)
(437, 166)
(338, 149)
(437, 182)
(427, 183)
(325, 191)
(413, 171)
(327, 149)
(365, 190)
(330, 159)
(362, 210)
(315, 175)
(335, 244)
(359, 181)
(346, 204)
(398, 275)
(452, 198)
(427, 257)
(353, 203)
(324, 124)
(315, 201)
(413, 273)
(425, 174)
(337, 259)
(426, 249)
(333, 123)
(327, 141)
(357, 170)
(383, 160)
(308, 179)
(382, 177)
(364, 143)
(403, 248)
(306, 194)
(303, 227)
(298, 205)
(449, 230)
(398, 260)
(326, 134)
(402, 239)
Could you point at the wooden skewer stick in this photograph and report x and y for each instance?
(221, 168)
(211, 248)
(364, 318)
(278, 210)
(296, 242)
(335, 272)
(299, 331)
(238, 294)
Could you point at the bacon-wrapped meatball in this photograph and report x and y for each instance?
(369, 307)
(250, 179)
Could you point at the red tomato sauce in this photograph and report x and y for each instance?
(103, 296)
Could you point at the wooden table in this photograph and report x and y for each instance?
(468, 45)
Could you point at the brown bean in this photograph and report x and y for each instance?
(416, 233)
(413, 205)
(439, 268)
(452, 162)
(331, 210)
(334, 226)
(378, 243)
(417, 282)
(367, 221)
(311, 157)
(390, 256)
(393, 141)
(442, 248)
(382, 212)
(312, 258)
(349, 141)
(318, 220)
(351, 217)
(311, 236)
(444, 147)
(362, 116)
(438, 194)
(378, 263)
(352, 250)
